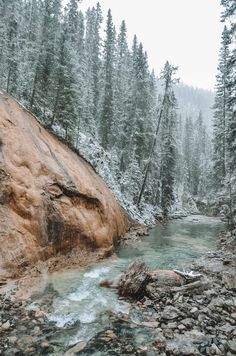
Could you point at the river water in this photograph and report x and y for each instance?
(82, 309)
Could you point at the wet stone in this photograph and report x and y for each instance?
(13, 351)
(6, 325)
(187, 322)
(76, 349)
(170, 313)
(232, 346)
(181, 327)
(197, 337)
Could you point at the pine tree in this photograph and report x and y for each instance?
(229, 17)
(141, 102)
(168, 146)
(92, 70)
(68, 102)
(42, 94)
(220, 114)
(30, 39)
(228, 87)
(11, 20)
(108, 91)
(198, 152)
(167, 122)
(188, 153)
(122, 97)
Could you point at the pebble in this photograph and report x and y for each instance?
(6, 325)
(111, 334)
(194, 310)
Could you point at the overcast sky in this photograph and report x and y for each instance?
(185, 32)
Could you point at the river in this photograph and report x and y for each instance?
(82, 309)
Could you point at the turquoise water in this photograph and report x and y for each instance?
(81, 308)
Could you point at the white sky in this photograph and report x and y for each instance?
(187, 33)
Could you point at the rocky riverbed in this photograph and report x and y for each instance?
(166, 321)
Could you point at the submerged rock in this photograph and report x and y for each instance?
(76, 349)
(51, 199)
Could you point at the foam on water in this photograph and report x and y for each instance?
(79, 297)
(97, 272)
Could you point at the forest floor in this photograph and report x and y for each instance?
(198, 321)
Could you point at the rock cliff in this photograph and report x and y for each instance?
(51, 200)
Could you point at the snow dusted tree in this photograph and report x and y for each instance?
(42, 95)
(141, 105)
(107, 109)
(166, 121)
(68, 102)
(122, 98)
(11, 20)
(225, 114)
(229, 18)
(30, 39)
(168, 142)
(221, 115)
(198, 152)
(93, 65)
(128, 154)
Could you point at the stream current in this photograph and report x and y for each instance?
(82, 309)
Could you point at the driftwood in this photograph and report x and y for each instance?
(138, 281)
(162, 277)
(190, 286)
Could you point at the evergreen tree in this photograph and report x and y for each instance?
(168, 143)
(227, 120)
(92, 69)
(30, 39)
(167, 122)
(68, 102)
(141, 103)
(122, 97)
(42, 95)
(11, 20)
(221, 115)
(108, 90)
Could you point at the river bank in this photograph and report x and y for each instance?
(179, 321)
(195, 322)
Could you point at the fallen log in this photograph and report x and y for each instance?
(137, 281)
(190, 286)
(163, 277)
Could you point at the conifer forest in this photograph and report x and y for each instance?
(157, 144)
(117, 180)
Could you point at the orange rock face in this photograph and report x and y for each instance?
(51, 200)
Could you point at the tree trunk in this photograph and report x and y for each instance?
(153, 147)
(133, 282)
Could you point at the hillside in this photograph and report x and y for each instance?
(51, 200)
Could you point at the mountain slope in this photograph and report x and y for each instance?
(51, 200)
